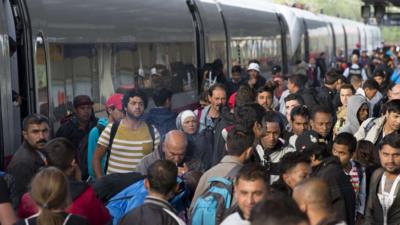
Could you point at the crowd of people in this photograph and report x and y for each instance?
(317, 147)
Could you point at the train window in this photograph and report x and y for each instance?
(340, 41)
(137, 44)
(300, 50)
(254, 34)
(352, 39)
(214, 33)
(154, 65)
(320, 39)
(74, 72)
(41, 77)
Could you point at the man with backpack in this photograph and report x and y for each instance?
(239, 147)
(127, 141)
(114, 113)
(251, 186)
(161, 184)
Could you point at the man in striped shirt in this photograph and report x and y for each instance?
(344, 146)
(133, 138)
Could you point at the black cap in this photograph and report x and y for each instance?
(308, 140)
(276, 69)
(82, 100)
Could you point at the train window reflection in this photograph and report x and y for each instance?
(99, 70)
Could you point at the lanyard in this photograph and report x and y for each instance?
(386, 198)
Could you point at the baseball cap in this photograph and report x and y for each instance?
(276, 69)
(115, 100)
(308, 140)
(253, 66)
(82, 100)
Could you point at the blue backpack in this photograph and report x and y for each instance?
(211, 206)
(134, 195)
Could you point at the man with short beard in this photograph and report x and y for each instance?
(133, 138)
(29, 157)
(383, 200)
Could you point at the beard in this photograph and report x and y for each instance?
(132, 116)
(391, 169)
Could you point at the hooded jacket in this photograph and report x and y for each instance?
(162, 118)
(352, 124)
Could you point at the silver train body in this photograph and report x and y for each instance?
(67, 48)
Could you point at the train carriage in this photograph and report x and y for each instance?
(53, 50)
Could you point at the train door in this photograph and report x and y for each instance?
(23, 77)
(10, 120)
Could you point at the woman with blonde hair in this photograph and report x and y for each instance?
(50, 191)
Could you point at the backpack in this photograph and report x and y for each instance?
(113, 132)
(211, 206)
(134, 196)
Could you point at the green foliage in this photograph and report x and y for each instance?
(350, 9)
(390, 34)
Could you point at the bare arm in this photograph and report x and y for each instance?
(96, 163)
(7, 215)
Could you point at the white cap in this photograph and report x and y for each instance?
(253, 66)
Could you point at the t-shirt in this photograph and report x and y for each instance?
(128, 147)
(69, 219)
(4, 193)
(235, 219)
(354, 178)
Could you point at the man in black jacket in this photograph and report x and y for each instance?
(327, 94)
(296, 85)
(328, 168)
(80, 123)
(161, 184)
(383, 205)
(29, 157)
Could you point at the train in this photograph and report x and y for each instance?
(53, 50)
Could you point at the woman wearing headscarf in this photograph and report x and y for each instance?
(187, 122)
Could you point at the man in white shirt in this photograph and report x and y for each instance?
(250, 188)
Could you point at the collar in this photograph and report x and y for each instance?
(279, 145)
(160, 202)
(29, 147)
(231, 159)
